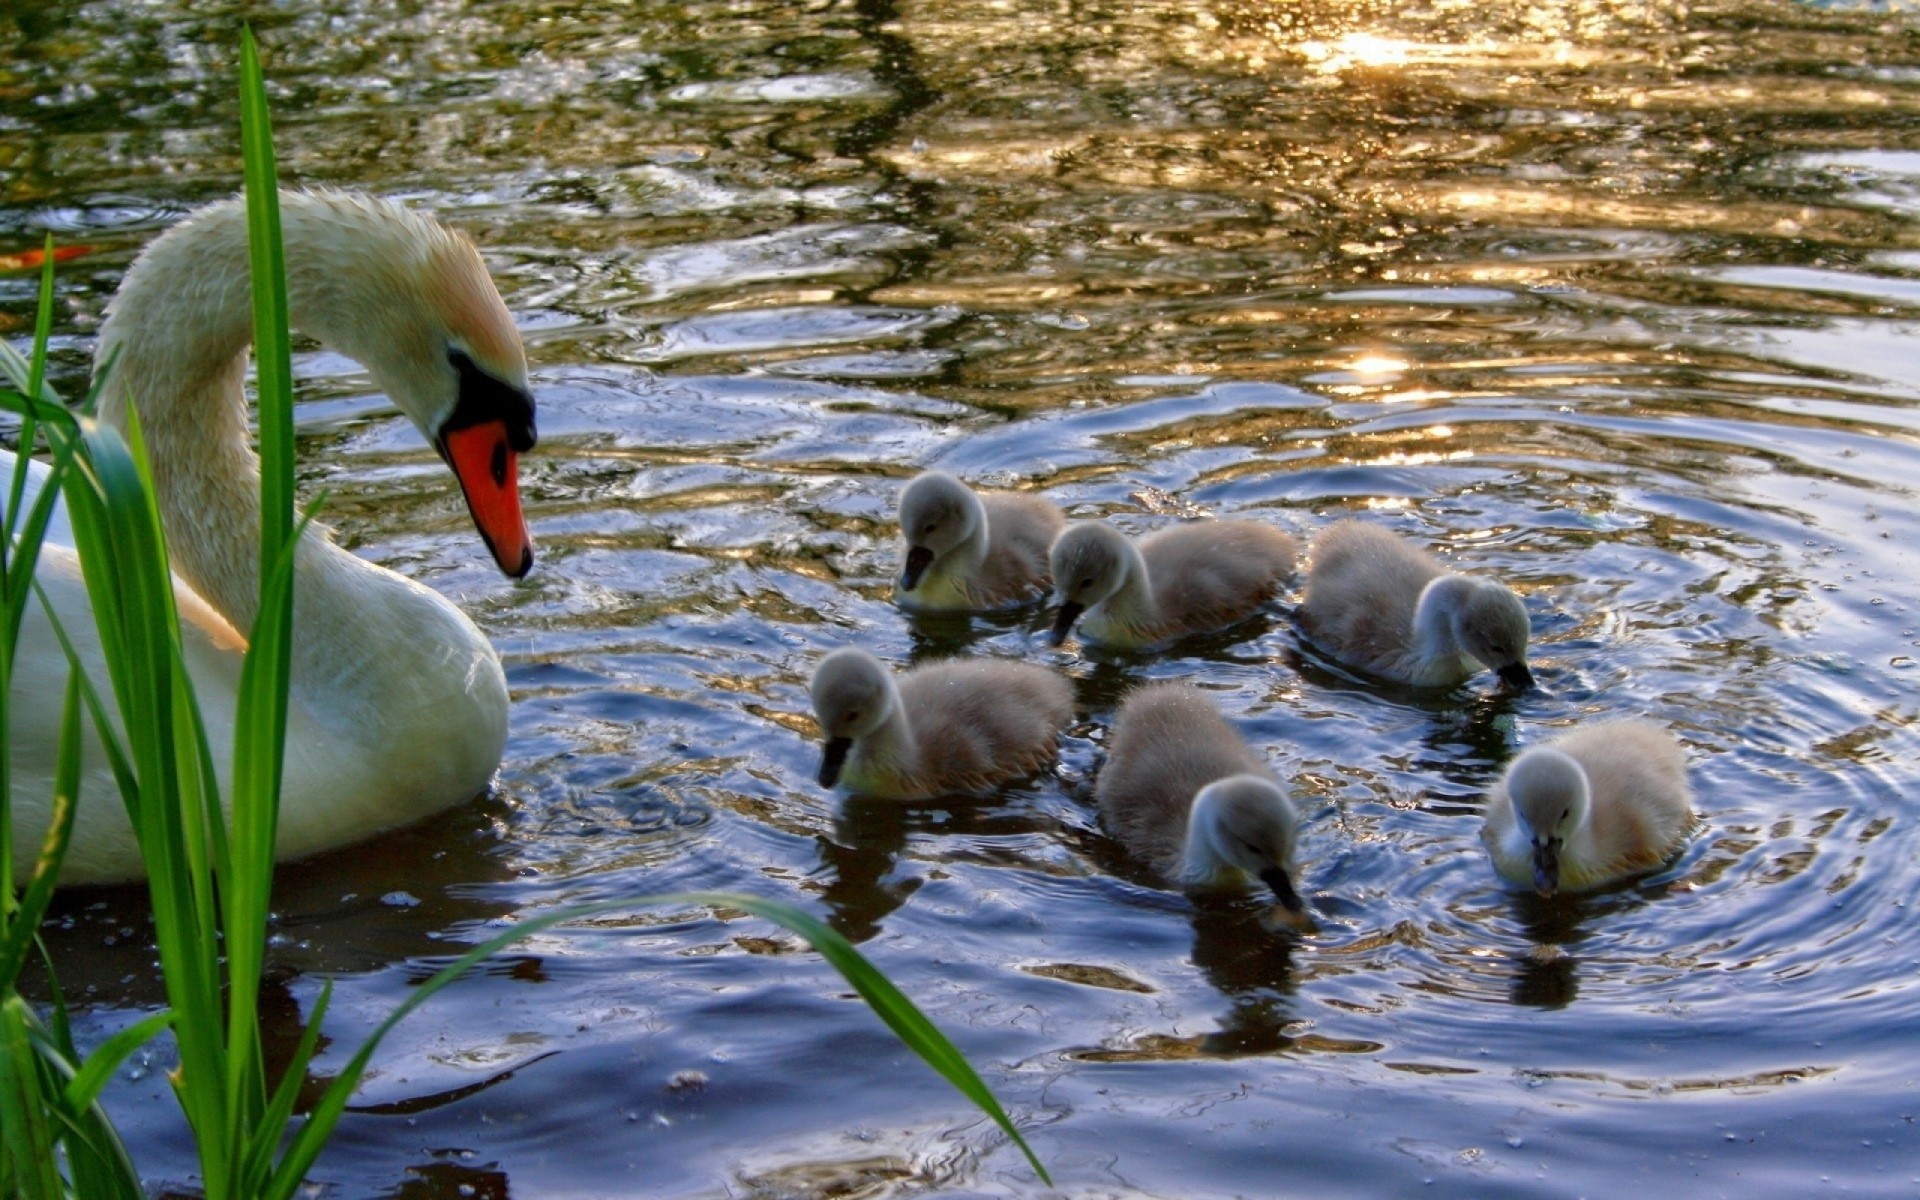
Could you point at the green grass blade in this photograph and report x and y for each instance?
(122, 555)
(272, 1128)
(26, 1131)
(261, 716)
(66, 794)
(96, 1156)
(900, 1014)
(94, 1074)
(272, 345)
(36, 380)
(907, 1022)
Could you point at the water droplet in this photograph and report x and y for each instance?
(400, 900)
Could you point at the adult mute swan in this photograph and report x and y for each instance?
(967, 551)
(398, 705)
(952, 726)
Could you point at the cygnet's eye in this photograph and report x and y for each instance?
(927, 528)
(1566, 812)
(854, 715)
(1087, 582)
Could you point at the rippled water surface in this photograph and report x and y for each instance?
(1619, 300)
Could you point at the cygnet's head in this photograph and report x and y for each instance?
(1550, 798)
(853, 695)
(1491, 625)
(1247, 822)
(1090, 562)
(937, 514)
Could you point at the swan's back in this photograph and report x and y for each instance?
(1641, 810)
(1020, 531)
(1210, 574)
(1168, 742)
(1363, 585)
(979, 723)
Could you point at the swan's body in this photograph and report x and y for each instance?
(398, 704)
(967, 551)
(944, 728)
(1590, 807)
(1188, 579)
(1379, 604)
(1182, 792)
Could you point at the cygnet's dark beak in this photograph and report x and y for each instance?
(919, 558)
(1064, 619)
(834, 759)
(1546, 866)
(1517, 676)
(1282, 885)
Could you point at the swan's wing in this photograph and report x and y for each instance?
(59, 533)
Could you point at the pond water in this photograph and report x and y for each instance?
(1620, 301)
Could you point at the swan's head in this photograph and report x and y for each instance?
(1491, 626)
(1550, 798)
(853, 695)
(938, 513)
(1090, 561)
(412, 300)
(1246, 822)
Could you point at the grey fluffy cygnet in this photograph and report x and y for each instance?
(1590, 807)
(947, 727)
(970, 551)
(1375, 602)
(1188, 579)
(1181, 791)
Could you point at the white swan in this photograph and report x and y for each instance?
(946, 727)
(398, 704)
(967, 551)
(1384, 606)
(1187, 579)
(1590, 807)
(1182, 791)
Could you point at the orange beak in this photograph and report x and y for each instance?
(489, 473)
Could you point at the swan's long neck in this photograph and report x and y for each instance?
(1436, 653)
(373, 652)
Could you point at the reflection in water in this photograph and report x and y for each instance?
(1614, 300)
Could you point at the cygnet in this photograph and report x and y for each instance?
(1188, 579)
(1377, 603)
(966, 551)
(947, 727)
(1181, 791)
(1590, 807)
